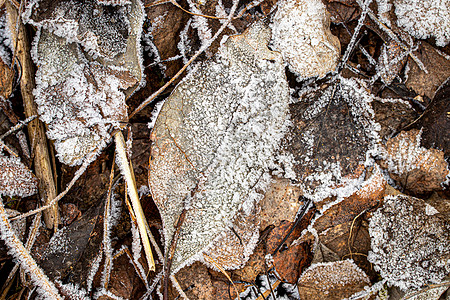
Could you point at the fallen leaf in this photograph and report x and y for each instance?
(87, 65)
(409, 243)
(413, 167)
(333, 280)
(68, 245)
(301, 33)
(291, 258)
(436, 65)
(390, 61)
(333, 138)
(281, 202)
(214, 140)
(436, 121)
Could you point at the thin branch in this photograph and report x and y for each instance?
(126, 170)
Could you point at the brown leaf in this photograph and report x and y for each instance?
(413, 167)
(280, 203)
(254, 266)
(435, 63)
(389, 65)
(334, 280)
(435, 122)
(291, 259)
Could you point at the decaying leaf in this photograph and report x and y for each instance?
(413, 167)
(301, 32)
(432, 292)
(333, 138)
(214, 141)
(409, 243)
(15, 178)
(333, 280)
(89, 60)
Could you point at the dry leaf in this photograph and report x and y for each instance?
(88, 58)
(437, 68)
(301, 33)
(409, 242)
(413, 167)
(333, 138)
(281, 202)
(333, 280)
(214, 140)
(15, 178)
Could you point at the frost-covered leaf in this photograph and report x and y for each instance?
(333, 137)
(410, 245)
(79, 97)
(413, 167)
(101, 29)
(214, 140)
(301, 32)
(424, 19)
(332, 280)
(15, 178)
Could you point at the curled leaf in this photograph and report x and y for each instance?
(214, 140)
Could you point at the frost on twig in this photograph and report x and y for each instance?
(214, 140)
(409, 243)
(301, 32)
(44, 286)
(88, 56)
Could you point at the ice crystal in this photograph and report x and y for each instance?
(15, 178)
(409, 247)
(301, 32)
(85, 70)
(214, 139)
(424, 19)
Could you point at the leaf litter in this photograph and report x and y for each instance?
(342, 198)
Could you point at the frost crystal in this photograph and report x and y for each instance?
(424, 19)
(15, 178)
(301, 32)
(214, 140)
(85, 70)
(409, 247)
